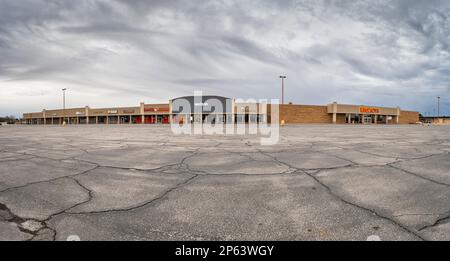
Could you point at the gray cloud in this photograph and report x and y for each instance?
(122, 52)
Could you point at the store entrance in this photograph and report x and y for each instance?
(368, 119)
(364, 119)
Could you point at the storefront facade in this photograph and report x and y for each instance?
(145, 113)
(217, 109)
(202, 109)
(360, 114)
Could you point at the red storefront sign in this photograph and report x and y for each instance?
(156, 109)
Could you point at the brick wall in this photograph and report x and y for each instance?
(296, 114)
(340, 118)
(408, 117)
(312, 114)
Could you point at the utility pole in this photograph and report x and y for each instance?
(64, 105)
(439, 105)
(282, 88)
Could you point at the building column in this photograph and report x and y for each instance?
(376, 119)
(78, 120)
(45, 118)
(118, 119)
(96, 119)
(363, 119)
(131, 119)
(53, 121)
(142, 113)
(170, 113)
(398, 115)
(107, 120)
(334, 112)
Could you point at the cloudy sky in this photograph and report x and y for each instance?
(122, 52)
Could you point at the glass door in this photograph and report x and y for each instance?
(368, 119)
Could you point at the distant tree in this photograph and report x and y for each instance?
(9, 119)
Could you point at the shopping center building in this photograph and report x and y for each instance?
(435, 120)
(217, 109)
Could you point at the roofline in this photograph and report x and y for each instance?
(189, 96)
(435, 117)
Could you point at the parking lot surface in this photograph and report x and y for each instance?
(320, 182)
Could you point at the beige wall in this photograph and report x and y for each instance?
(408, 117)
(33, 115)
(115, 111)
(83, 112)
(297, 114)
(73, 112)
(341, 119)
(442, 121)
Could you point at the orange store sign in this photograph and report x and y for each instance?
(369, 110)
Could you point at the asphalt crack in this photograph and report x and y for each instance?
(443, 220)
(49, 180)
(418, 176)
(19, 221)
(372, 211)
(150, 202)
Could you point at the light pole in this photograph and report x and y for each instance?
(439, 105)
(282, 88)
(64, 105)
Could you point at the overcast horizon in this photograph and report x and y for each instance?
(120, 53)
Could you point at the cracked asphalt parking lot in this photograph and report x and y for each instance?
(321, 182)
